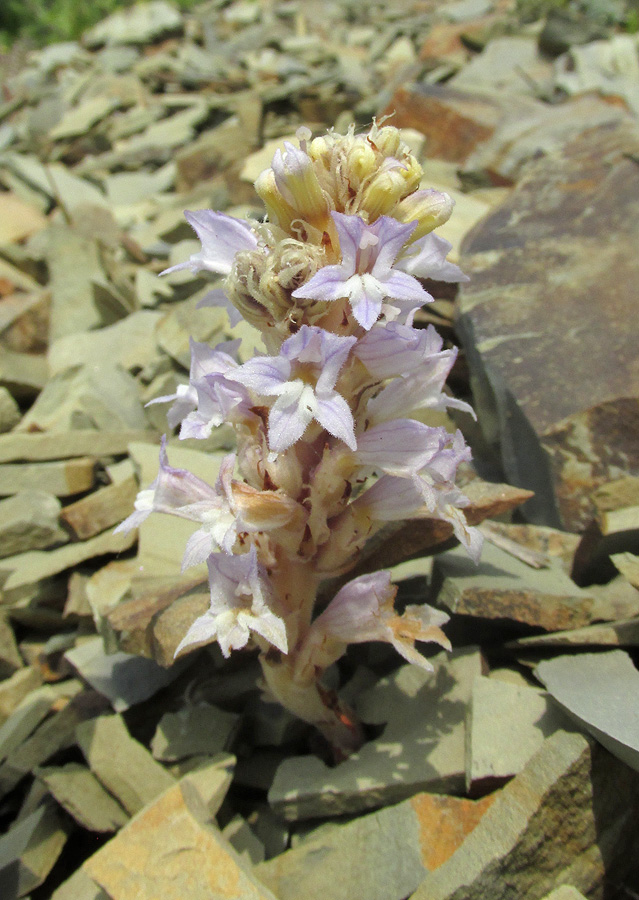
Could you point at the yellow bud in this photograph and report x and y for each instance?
(279, 211)
(430, 208)
(386, 139)
(297, 182)
(361, 161)
(383, 193)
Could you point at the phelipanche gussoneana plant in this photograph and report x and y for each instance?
(329, 441)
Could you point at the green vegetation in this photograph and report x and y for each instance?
(47, 21)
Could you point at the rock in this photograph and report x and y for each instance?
(29, 850)
(79, 792)
(22, 374)
(19, 219)
(37, 447)
(455, 122)
(608, 67)
(81, 118)
(422, 747)
(125, 768)
(545, 543)
(243, 840)
(62, 478)
(562, 444)
(166, 851)
(611, 713)
(9, 411)
(569, 817)
(504, 589)
(16, 688)
(100, 510)
(79, 887)
(154, 623)
(120, 677)
(129, 343)
(55, 734)
(30, 520)
(628, 565)
(36, 565)
(506, 725)
(73, 262)
(380, 856)
(507, 64)
(85, 397)
(624, 633)
(10, 659)
(141, 24)
(565, 892)
(185, 322)
(613, 529)
(196, 729)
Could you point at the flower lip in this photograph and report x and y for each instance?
(366, 274)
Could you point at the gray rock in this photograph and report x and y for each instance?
(29, 850)
(611, 712)
(196, 729)
(141, 24)
(9, 410)
(504, 588)
(507, 724)
(568, 818)
(30, 520)
(422, 747)
(122, 678)
(79, 792)
(558, 399)
(101, 396)
(122, 764)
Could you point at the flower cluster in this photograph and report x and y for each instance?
(330, 438)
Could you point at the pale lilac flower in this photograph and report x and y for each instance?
(302, 378)
(221, 236)
(184, 402)
(363, 611)
(367, 274)
(391, 349)
(180, 493)
(429, 493)
(426, 258)
(421, 388)
(218, 397)
(401, 446)
(240, 597)
(217, 298)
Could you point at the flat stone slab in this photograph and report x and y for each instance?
(422, 747)
(507, 724)
(561, 401)
(568, 818)
(611, 712)
(380, 856)
(166, 851)
(504, 588)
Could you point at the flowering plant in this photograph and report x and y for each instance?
(328, 445)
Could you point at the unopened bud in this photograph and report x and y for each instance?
(430, 208)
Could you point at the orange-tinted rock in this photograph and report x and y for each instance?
(454, 122)
(444, 823)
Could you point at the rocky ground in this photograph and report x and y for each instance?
(512, 771)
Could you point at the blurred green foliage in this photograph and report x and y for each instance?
(47, 21)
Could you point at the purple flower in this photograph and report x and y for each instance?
(221, 237)
(218, 398)
(400, 447)
(429, 493)
(426, 258)
(366, 274)
(363, 611)
(302, 378)
(240, 597)
(393, 349)
(182, 494)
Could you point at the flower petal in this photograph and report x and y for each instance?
(426, 258)
(334, 414)
(221, 236)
